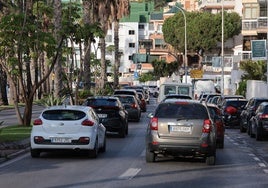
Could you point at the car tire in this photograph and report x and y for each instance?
(103, 148)
(94, 152)
(35, 153)
(122, 132)
(211, 160)
(258, 134)
(150, 156)
(221, 144)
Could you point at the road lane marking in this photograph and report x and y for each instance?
(130, 173)
(262, 164)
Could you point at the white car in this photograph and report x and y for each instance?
(68, 128)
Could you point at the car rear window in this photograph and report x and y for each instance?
(181, 110)
(63, 115)
(126, 99)
(236, 103)
(101, 102)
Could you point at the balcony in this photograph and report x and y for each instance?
(253, 27)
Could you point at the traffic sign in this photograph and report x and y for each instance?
(196, 73)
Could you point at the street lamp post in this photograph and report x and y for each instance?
(185, 43)
(222, 49)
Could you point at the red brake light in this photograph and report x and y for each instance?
(154, 123)
(84, 140)
(87, 123)
(230, 110)
(38, 122)
(263, 116)
(133, 105)
(206, 126)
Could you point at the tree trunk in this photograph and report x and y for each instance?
(116, 54)
(58, 67)
(103, 74)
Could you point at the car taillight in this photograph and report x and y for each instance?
(133, 105)
(263, 116)
(230, 110)
(38, 139)
(87, 123)
(38, 122)
(154, 123)
(206, 126)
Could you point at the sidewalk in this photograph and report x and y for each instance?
(11, 150)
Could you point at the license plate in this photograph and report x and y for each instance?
(102, 115)
(61, 140)
(180, 129)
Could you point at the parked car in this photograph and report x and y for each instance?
(258, 126)
(231, 110)
(74, 128)
(132, 106)
(181, 128)
(111, 112)
(216, 116)
(176, 96)
(127, 92)
(248, 111)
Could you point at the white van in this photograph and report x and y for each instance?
(174, 88)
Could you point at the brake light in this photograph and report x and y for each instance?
(133, 105)
(38, 139)
(230, 110)
(206, 126)
(87, 123)
(154, 123)
(263, 116)
(38, 122)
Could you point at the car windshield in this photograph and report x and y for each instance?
(181, 111)
(63, 115)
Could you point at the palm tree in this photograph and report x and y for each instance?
(120, 8)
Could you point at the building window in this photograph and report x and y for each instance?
(131, 45)
(131, 32)
(251, 11)
(130, 57)
(141, 26)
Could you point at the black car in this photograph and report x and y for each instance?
(176, 96)
(258, 126)
(132, 106)
(248, 111)
(111, 112)
(231, 110)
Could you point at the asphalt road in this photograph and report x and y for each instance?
(242, 163)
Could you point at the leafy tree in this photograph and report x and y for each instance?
(163, 69)
(203, 30)
(253, 70)
(147, 77)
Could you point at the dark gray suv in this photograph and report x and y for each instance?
(181, 128)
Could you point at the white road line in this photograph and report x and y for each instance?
(265, 171)
(262, 164)
(256, 159)
(130, 173)
(251, 154)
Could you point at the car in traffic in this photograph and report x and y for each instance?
(221, 99)
(181, 128)
(143, 103)
(132, 106)
(231, 110)
(75, 128)
(258, 126)
(176, 96)
(249, 110)
(111, 113)
(216, 115)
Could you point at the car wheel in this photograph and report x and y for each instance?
(35, 153)
(150, 156)
(221, 144)
(211, 160)
(122, 132)
(103, 148)
(258, 134)
(94, 152)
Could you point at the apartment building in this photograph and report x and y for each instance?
(254, 24)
